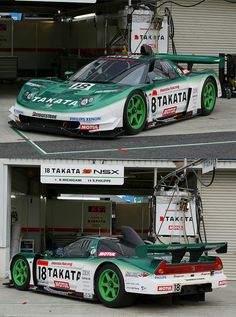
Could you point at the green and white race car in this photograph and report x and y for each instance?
(118, 94)
(115, 270)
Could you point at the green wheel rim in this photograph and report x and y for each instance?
(20, 272)
(209, 96)
(109, 285)
(136, 111)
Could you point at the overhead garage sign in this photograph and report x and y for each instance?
(82, 174)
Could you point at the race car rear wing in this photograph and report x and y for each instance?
(193, 59)
(179, 250)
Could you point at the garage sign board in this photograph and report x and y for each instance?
(82, 174)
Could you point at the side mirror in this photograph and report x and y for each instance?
(68, 73)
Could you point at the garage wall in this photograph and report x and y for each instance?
(208, 28)
(134, 215)
(219, 201)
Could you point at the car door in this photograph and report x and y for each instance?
(64, 271)
(170, 93)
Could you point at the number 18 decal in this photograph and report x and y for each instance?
(82, 86)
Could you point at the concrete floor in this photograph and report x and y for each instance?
(219, 303)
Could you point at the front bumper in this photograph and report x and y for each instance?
(71, 132)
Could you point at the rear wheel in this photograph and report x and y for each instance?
(208, 98)
(20, 272)
(135, 113)
(109, 287)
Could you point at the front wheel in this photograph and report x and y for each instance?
(135, 113)
(20, 273)
(109, 287)
(208, 98)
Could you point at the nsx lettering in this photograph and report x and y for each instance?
(45, 272)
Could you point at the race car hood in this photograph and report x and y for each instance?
(68, 96)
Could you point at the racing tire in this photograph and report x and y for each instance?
(110, 288)
(20, 273)
(135, 113)
(208, 97)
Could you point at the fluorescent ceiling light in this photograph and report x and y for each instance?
(84, 16)
(77, 197)
(71, 1)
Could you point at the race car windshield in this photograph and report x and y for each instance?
(107, 70)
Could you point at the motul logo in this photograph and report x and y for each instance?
(164, 288)
(222, 283)
(89, 126)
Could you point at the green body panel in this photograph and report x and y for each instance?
(194, 59)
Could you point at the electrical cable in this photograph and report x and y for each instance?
(173, 2)
(212, 178)
(171, 29)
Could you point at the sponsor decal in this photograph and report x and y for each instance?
(45, 272)
(222, 283)
(159, 277)
(82, 86)
(42, 262)
(104, 253)
(61, 263)
(136, 274)
(168, 100)
(175, 227)
(86, 119)
(164, 288)
(142, 37)
(93, 251)
(86, 272)
(62, 285)
(108, 91)
(34, 85)
(88, 295)
(16, 111)
(89, 127)
(169, 111)
(169, 88)
(176, 218)
(44, 115)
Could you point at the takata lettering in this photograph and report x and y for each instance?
(64, 274)
(44, 115)
(75, 171)
(176, 218)
(68, 102)
(167, 100)
(145, 37)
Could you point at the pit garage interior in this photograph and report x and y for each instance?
(38, 216)
(48, 38)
